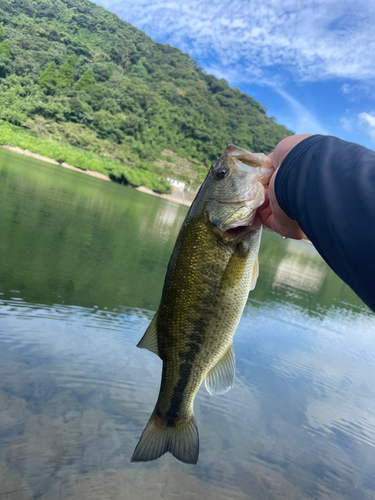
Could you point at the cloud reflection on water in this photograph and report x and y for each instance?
(298, 272)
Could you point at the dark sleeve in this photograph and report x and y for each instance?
(328, 186)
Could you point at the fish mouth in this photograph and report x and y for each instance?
(235, 232)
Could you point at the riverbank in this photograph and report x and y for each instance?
(61, 152)
(26, 152)
(171, 197)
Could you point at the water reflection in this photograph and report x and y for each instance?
(165, 220)
(81, 271)
(75, 393)
(81, 242)
(300, 270)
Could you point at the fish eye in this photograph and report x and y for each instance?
(221, 173)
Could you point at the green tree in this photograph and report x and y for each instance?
(4, 49)
(2, 34)
(86, 81)
(47, 79)
(66, 73)
(4, 66)
(102, 71)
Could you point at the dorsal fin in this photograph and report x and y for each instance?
(221, 377)
(150, 338)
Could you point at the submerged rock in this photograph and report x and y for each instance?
(12, 410)
(12, 486)
(167, 481)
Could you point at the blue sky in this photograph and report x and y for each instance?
(311, 63)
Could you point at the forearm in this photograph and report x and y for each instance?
(328, 187)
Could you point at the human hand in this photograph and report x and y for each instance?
(270, 213)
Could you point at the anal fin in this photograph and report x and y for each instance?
(150, 338)
(220, 378)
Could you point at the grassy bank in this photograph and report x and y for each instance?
(12, 135)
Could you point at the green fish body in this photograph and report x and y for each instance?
(211, 271)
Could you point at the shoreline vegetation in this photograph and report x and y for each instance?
(63, 153)
(171, 197)
(26, 152)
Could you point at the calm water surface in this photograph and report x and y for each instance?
(82, 264)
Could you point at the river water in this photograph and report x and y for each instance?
(82, 264)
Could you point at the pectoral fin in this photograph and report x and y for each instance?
(220, 378)
(150, 338)
(255, 274)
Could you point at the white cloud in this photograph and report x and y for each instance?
(367, 122)
(312, 40)
(346, 89)
(346, 124)
(354, 93)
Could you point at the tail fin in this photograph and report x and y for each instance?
(182, 441)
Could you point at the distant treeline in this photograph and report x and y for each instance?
(74, 73)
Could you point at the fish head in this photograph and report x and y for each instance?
(236, 189)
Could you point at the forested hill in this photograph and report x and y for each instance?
(72, 72)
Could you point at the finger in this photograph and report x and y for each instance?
(266, 198)
(264, 212)
(280, 222)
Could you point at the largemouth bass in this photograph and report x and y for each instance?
(213, 267)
